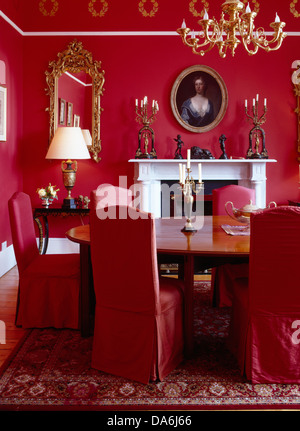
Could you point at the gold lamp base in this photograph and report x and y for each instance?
(69, 178)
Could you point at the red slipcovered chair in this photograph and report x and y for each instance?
(221, 276)
(107, 195)
(139, 317)
(48, 284)
(264, 328)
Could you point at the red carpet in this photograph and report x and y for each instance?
(51, 371)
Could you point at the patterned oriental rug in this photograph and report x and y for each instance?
(51, 371)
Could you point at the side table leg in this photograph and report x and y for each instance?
(41, 235)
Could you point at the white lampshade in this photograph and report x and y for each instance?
(87, 137)
(68, 143)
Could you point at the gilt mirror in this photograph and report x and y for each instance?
(75, 86)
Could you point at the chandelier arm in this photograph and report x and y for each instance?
(262, 42)
(202, 52)
(216, 30)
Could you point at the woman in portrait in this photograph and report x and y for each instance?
(198, 110)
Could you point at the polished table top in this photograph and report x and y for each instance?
(210, 239)
(208, 247)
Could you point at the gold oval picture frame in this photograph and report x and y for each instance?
(215, 92)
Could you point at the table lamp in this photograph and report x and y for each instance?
(68, 143)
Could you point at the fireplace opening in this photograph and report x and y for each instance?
(209, 186)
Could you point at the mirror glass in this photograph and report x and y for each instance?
(75, 86)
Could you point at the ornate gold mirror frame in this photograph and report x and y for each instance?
(296, 82)
(75, 59)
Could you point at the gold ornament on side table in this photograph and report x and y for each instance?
(146, 133)
(257, 134)
(188, 187)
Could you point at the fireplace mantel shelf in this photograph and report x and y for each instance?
(149, 173)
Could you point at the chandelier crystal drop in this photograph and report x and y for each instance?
(229, 33)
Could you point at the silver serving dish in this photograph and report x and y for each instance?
(243, 214)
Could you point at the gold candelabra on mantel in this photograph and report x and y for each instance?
(146, 133)
(241, 20)
(188, 186)
(257, 133)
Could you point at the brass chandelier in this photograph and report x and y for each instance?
(240, 23)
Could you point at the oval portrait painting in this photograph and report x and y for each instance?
(199, 99)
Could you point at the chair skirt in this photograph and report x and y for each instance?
(265, 343)
(137, 346)
(49, 292)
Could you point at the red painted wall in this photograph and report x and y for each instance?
(11, 53)
(136, 66)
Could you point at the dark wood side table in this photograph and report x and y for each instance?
(294, 204)
(41, 214)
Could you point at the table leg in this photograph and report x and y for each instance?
(87, 296)
(189, 304)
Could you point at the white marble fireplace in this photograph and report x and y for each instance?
(149, 174)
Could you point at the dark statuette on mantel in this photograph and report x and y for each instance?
(200, 153)
(178, 154)
(222, 140)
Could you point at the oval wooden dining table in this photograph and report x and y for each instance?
(209, 247)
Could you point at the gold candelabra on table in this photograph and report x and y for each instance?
(146, 133)
(188, 186)
(257, 134)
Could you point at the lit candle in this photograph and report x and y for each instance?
(277, 19)
(246, 103)
(199, 173)
(156, 104)
(257, 98)
(205, 15)
(253, 102)
(265, 103)
(183, 25)
(188, 165)
(248, 10)
(136, 102)
(180, 173)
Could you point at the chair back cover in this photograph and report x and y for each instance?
(106, 195)
(238, 195)
(274, 260)
(22, 228)
(264, 332)
(135, 335)
(124, 270)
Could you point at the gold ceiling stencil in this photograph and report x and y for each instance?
(44, 11)
(193, 10)
(293, 8)
(102, 11)
(143, 10)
